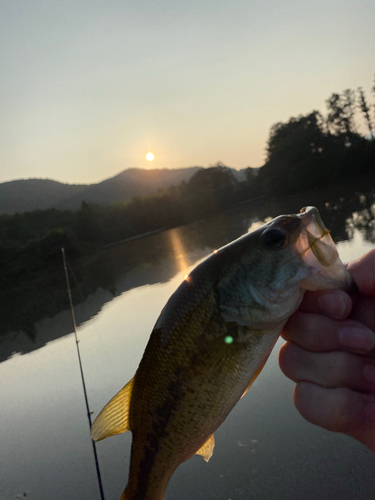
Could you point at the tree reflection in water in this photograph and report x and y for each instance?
(158, 257)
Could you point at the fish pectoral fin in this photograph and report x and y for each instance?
(207, 449)
(114, 417)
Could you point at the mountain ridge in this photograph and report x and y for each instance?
(25, 195)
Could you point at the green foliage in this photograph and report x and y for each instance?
(210, 190)
(365, 110)
(312, 150)
(341, 109)
(297, 139)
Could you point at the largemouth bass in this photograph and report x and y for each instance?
(211, 341)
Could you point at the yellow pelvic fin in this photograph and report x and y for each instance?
(254, 377)
(123, 496)
(114, 417)
(207, 449)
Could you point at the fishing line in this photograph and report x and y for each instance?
(100, 484)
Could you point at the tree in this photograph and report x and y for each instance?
(340, 118)
(211, 189)
(365, 110)
(87, 225)
(298, 138)
(295, 153)
(373, 92)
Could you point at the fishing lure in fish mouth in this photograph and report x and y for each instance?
(212, 340)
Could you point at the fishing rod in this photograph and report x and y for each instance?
(98, 475)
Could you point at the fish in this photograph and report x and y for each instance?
(211, 341)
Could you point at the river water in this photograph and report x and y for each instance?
(264, 450)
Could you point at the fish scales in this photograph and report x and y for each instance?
(183, 385)
(211, 341)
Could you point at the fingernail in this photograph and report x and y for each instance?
(353, 337)
(369, 373)
(332, 304)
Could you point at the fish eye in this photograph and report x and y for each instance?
(273, 238)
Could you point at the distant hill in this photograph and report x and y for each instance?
(25, 195)
(129, 183)
(30, 194)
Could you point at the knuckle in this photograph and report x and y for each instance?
(285, 355)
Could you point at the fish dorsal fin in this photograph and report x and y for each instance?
(114, 417)
(207, 449)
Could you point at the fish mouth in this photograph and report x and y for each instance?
(316, 248)
(318, 237)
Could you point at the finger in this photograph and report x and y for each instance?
(364, 311)
(339, 410)
(334, 303)
(331, 369)
(322, 334)
(363, 273)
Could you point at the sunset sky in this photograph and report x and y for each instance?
(87, 88)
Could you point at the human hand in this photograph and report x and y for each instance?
(330, 354)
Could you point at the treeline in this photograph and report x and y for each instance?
(314, 149)
(306, 151)
(41, 233)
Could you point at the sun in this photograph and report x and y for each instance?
(150, 157)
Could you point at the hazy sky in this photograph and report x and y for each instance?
(88, 87)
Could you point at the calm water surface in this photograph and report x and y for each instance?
(264, 450)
